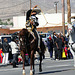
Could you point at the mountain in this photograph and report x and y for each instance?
(10, 8)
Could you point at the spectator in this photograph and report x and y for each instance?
(59, 46)
(66, 40)
(5, 51)
(66, 51)
(14, 48)
(55, 36)
(63, 41)
(1, 53)
(50, 46)
(70, 56)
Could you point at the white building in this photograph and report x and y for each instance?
(48, 20)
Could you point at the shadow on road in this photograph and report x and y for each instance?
(48, 72)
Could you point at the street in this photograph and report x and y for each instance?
(50, 67)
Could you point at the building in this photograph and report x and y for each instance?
(47, 23)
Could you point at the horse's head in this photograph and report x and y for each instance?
(23, 38)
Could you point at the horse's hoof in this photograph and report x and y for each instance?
(31, 73)
(40, 70)
(24, 74)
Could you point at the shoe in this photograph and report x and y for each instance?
(15, 66)
(11, 63)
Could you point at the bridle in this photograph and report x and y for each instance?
(23, 41)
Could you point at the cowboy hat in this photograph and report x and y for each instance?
(37, 10)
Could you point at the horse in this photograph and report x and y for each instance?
(28, 44)
(71, 35)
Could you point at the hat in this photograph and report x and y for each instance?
(37, 10)
(28, 14)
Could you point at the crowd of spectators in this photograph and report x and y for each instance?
(9, 52)
(59, 44)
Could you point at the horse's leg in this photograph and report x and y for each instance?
(33, 65)
(31, 62)
(40, 65)
(23, 57)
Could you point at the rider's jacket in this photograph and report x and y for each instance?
(35, 22)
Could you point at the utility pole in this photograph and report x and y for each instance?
(30, 4)
(69, 11)
(63, 16)
(24, 13)
(55, 5)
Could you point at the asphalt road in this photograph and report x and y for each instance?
(50, 67)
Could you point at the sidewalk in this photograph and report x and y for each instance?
(46, 56)
(1, 65)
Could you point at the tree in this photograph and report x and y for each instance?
(8, 20)
(69, 11)
(11, 23)
(5, 23)
(1, 23)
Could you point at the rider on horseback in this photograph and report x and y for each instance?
(32, 22)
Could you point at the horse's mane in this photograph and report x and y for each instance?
(23, 32)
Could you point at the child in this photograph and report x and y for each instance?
(1, 54)
(66, 50)
(69, 54)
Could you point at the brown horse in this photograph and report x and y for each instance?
(28, 44)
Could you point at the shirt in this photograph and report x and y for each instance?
(59, 42)
(14, 47)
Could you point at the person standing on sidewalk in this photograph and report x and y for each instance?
(59, 45)
(14, 49)
(1, 53)
(5, 51)
(55, 36)
(51, 47)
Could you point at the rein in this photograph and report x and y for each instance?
(29, 43)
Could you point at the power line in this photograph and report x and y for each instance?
(15, 5)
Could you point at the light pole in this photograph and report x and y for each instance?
(55, 5)
(24, 13)
(63, 16)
